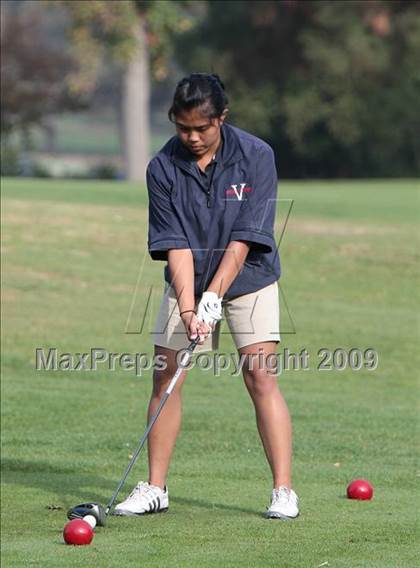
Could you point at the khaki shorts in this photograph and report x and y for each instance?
(252, 318)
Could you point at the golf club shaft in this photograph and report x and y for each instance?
(184, 362)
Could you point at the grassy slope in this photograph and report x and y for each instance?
(73, 251)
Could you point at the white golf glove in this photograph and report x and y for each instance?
(210, 308)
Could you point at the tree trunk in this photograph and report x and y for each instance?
(135, 101)
(50, 134)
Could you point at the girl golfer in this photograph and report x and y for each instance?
(212, 199)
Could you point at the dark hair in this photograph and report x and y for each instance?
(199, 90)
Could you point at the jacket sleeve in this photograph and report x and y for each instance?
(165, 229)
(255, 221)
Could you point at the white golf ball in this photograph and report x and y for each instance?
(90, 520)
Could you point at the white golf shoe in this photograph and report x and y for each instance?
(144, 498)
(284, 504)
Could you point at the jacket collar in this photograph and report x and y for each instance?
(232, 152)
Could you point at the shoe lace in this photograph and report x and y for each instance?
(141, 487)
(281, 495)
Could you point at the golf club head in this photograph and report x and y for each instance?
(80, 511)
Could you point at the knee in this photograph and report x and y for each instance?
(259, 383)
(161, 380)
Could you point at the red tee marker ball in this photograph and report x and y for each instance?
(78, 532)
(360, 489)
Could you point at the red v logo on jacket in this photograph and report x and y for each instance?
(238, 192)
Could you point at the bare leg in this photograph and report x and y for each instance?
(273, 419)
(162, 437)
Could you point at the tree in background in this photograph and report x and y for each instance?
(334, 86)
(104, 33)
(33, 71)
(134, 38)
(137, 35)
(359, 84)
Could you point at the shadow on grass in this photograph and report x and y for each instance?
(64, 481)
(210, 505)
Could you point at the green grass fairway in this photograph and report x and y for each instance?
(72, 255)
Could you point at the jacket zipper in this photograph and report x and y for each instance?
(210, 186)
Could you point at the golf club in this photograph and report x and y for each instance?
(95, 509)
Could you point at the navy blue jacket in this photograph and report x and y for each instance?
(240, 205)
